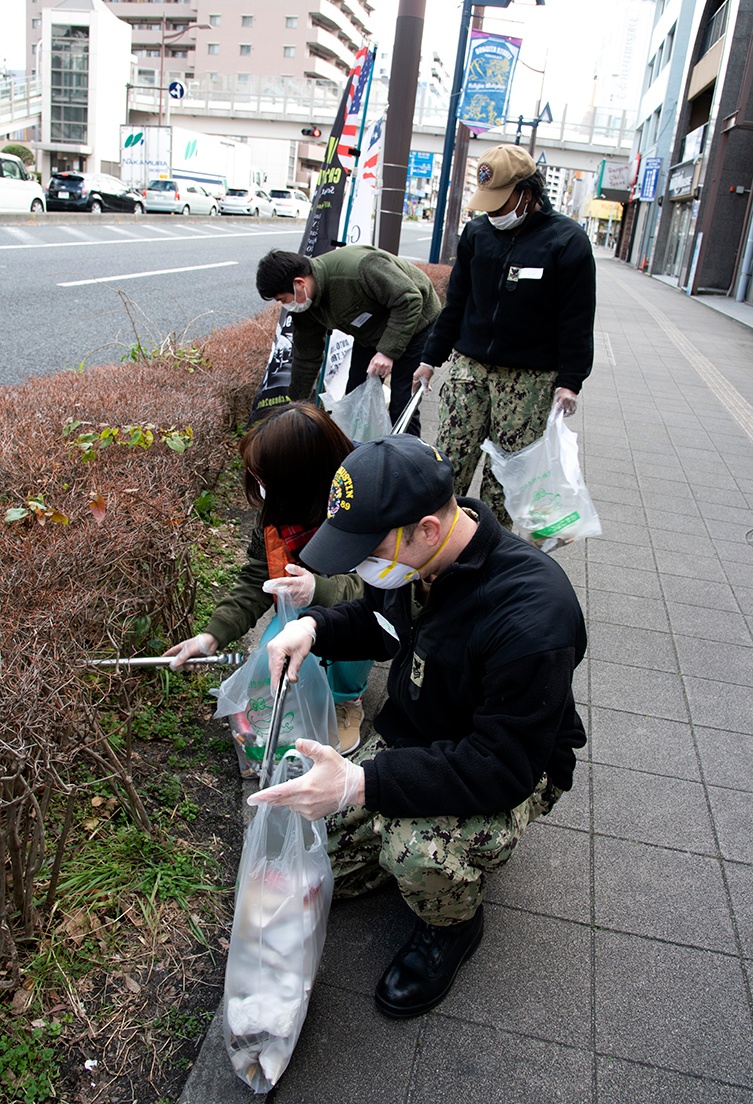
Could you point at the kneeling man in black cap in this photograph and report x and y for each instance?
(477, 735)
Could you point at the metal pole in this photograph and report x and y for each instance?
(162, 66)
(449, 137)
(406, 58)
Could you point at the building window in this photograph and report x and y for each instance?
(213, 77)
(36, 24)
(214, 20)
(288, 51)
(213, 48)
(244, 79)
(245, 49)
(291, 22)
(669, 44)
(247, 21)
(69, 84)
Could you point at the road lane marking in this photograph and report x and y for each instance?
(139, 275)
(150, 241)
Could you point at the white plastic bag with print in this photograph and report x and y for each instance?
(282, 902)
(362, 414)
(545, 494)
(246, 699)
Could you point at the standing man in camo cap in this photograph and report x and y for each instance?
(517, 327)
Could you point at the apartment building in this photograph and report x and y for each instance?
(228, 41)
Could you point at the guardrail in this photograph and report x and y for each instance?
(20, 101)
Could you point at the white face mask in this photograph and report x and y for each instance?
(391, 574)
(509, 221)
(295, 306)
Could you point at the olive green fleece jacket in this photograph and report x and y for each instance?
(381, 300)
(246, 603)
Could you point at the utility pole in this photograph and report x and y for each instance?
(406, 58)
(457, 181)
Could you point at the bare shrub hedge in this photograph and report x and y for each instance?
(110, 576)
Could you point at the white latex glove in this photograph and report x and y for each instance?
(299, 589)
(330, 786)
(295, 640)
(202, 645)
(566, 401)
(422, 376)
(379, 365)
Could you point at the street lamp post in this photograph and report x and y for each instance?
(544, 116)
(165, 38)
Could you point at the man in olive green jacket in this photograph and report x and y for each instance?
(386, 304)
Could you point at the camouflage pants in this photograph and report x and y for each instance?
(508, 405)
(439, 863)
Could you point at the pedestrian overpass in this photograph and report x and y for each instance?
(279, 109)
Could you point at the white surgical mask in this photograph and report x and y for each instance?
(295, 306)
(509, 221)
(391, 574)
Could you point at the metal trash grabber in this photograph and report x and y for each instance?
(273, 736)
(403, 420)
(226, 659)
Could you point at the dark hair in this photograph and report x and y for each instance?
(294, 453)
(536, 184)
(276, 272)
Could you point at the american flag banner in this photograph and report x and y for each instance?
(357, 89)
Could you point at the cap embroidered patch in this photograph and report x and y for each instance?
(340, 491)
(485, 173)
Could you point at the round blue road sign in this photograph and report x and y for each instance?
(177, 89)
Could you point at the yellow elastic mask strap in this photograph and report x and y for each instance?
(383, 574)
(444, 542)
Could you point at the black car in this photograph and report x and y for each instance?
(95, 192)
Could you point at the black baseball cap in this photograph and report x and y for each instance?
(380, 486)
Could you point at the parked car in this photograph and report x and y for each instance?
(19, 190)
(247, 201)
(179, 197)
(289, 201)
(94, 192)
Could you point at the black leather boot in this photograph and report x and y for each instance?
(422, 972)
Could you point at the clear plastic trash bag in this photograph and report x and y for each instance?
(361, 415)
(283, 897)
(545, 494)
(246, 699)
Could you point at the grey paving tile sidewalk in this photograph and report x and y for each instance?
(617, 962)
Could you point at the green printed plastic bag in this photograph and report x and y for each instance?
(545, 494)
(246, 700)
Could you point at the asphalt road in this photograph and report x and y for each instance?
(77, 289)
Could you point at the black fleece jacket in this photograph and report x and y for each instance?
(521, 299)
(480, 698)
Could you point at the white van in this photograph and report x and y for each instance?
(19, 192)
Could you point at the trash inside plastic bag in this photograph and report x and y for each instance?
(283, 896)
(362, 414)
(246, 699)
(545, 494)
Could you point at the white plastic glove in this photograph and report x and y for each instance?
(299, 589)
(202, 645)
(332, 784)
(295, 640)
(422, 376)
(566, 401)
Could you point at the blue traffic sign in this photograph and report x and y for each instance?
(177, 89)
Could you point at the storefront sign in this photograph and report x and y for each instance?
(651, 170)
(682, 180)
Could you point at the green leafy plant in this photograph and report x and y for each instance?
(90, 442)
(28, 1065)
(36, 507)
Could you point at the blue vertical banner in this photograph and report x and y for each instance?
(488, 79)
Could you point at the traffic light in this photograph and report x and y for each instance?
(311, 132)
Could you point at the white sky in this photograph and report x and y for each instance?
(567, 38)
(12, 36)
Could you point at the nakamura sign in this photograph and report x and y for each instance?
(145, 154)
